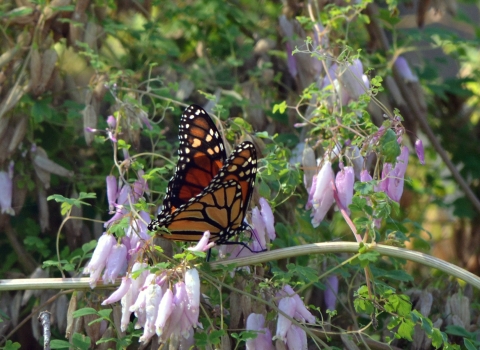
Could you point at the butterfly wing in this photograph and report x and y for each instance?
(220, 207)
(201, 154)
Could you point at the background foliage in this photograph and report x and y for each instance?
(67, 65)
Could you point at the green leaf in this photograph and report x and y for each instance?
(389, 146)
(215, 337)
(368, 257)
(84, 312)
(470, 345)
(363, 306)
(19, 12)
(280, 107)
(437, 338)
(88, 247)
(81, 341)
(405, 330)
(105, 312)
(9, 345)
(459, 331)
(59, 344)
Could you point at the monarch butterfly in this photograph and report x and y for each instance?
(201, 155)
(207, 192)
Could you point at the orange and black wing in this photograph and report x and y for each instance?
(201, 154)
(220, 207)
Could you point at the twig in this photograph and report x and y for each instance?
(44, 319)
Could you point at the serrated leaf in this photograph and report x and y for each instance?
(405, 330)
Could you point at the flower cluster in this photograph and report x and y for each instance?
(126, 196)
(112, 256)
(159, 310)
(324, 184)
(291, 307)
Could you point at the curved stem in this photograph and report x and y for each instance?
(315, 248)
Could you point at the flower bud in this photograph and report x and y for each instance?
(112, 122)
(420, 151)
(111, 191)
(365, 176)
(401, 65)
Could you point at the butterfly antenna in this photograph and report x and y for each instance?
(209, 255)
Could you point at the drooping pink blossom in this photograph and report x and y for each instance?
(296, 338)
(203, 244)
(330, 294)
(99, 258)
(323, 196)
(344, 182)
(116, 263)
(175, 325)
(288, 306)
(139, 187)
(164, 311)
(153, 297)
(352, 79)
(259, 226)
(6, 192)
(268, 219)
(111, 191)
(396, 176)
(404, 70)
(120, 209)
(131, 296)
(112, 122)
(420, 151)
(256, 322)
(365, 176)
(126, 301)
(120, 292)
(192, 287)
(300, 309)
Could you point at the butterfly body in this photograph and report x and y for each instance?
(208, 191)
